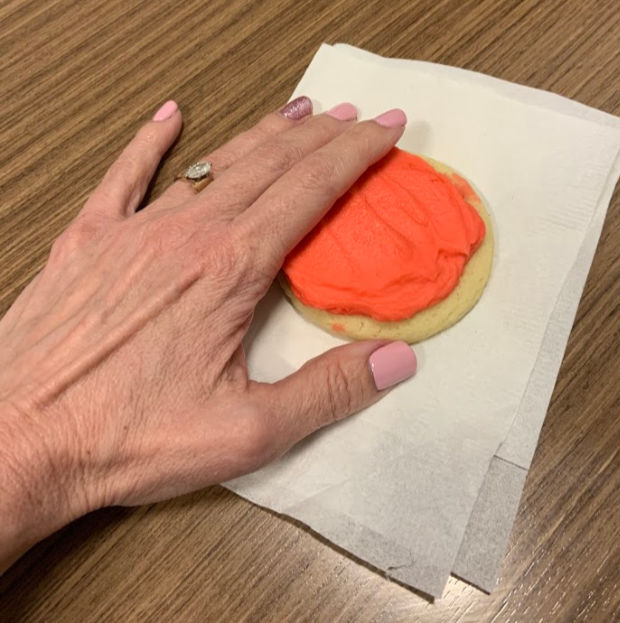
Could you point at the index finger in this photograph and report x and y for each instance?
(293, 205)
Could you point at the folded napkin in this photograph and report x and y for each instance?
(427, 481)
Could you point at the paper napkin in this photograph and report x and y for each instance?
(415, 484)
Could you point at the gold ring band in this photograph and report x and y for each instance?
(199, 174)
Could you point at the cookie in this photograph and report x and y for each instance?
(342, 291)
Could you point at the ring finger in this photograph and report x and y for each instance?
(293, 113)
(251, 175)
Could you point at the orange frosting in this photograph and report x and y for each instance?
(396, 243)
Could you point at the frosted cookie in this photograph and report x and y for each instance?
(404, 254)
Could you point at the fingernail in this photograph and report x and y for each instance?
(343, 112)
(392, 364)
(297, 108)
(166, 111)
(392, 118)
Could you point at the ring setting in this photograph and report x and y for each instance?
(199, 174)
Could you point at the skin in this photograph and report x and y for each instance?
(122, 373)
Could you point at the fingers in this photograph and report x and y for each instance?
(292, 205)
(123, 186)
(247, 178)
(332, 386)
(294, 113)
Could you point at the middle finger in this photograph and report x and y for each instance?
(245, 180)
(294, 113)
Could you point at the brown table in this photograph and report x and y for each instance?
(78, 77)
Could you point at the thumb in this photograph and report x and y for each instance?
(335, 385)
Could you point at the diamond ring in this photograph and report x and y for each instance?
(199, 174)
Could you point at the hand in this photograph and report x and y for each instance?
(122, 373)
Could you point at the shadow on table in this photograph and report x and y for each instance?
(46, 580)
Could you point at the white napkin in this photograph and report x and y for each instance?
(396, 485)
(489, 525)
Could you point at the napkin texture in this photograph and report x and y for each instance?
(413, 485)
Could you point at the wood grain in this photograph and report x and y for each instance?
(77, 80)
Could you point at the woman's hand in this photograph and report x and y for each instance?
(122, 374)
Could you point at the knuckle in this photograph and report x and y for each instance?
(146, 136)
(280, 156)
(322, 172)
(133, 168)
(254, 441)
(366, 137)
(164, 233)
(136, 157)
(222, 158)
(339, 392)
(78, 235)
(269, 125)
(124, 173)
(212, 252)
(128, 162)
(255, 257)
(128, 167)
(325, 128)
(217, 258)
(218, 255)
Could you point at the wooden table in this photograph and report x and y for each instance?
(78, 77)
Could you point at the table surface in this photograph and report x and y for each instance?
(78, 77)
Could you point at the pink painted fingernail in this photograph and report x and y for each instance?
(392, 364)
(298, 108)
(392, 118)
(343, 112)
(166, 111)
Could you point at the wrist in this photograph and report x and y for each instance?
(36, 494)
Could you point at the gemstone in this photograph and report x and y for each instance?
(198, 170)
